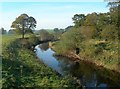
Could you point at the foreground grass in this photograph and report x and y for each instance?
(20, 68)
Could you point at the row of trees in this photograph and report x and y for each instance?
(45, 35)
(24, 24)
(58, 32)
(4, 32)
(98, 25)
(94, 26)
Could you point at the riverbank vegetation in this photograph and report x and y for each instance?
(21, 69)
(96, 37)
(93, 38)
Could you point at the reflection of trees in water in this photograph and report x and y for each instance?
(91, 75)
(65, 64)
(109, 77)
(44, 46)
(88, 74)
(85, 73)
(80, 70)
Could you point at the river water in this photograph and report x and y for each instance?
(90, 76)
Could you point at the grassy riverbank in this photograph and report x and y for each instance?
(105, 64)
(93, 51)
(20, 67)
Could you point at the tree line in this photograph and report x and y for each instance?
(94, 25)
(94, 36)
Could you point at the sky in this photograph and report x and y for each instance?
(48, 15)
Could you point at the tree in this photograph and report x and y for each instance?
(88, 31)
(91, 19)
(115, 12)
(24, 24)
(70, 40)
(68, 28)
(114, 5)
(62, 31)
(3, 31)
(45, 36)
(103, 19)
(78, 19)
(11, 32)
(58, 32)
(109, 32)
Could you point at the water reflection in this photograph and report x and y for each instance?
(84, 72)
(44, 46)
(65, 64)
(87, 73)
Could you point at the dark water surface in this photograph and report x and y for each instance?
(90, 76)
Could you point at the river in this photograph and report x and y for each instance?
(89, 75)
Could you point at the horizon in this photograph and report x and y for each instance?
(49, 15)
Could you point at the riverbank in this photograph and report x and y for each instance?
(21, 68)
(108, 70)
(107, 73)
(93, 53)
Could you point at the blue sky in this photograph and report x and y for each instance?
(49, 15)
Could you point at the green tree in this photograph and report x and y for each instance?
(88, 31)
(91, 19)
(78, 19)
(45, 35)
(70, 40)
(11, 32)
(114, 5)
(24, 24)
(3, 31)
(56, 30)
(58, 33)
(68, 28)
(109, 32)
(115, 12)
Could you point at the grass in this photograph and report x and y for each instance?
(20, 68)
